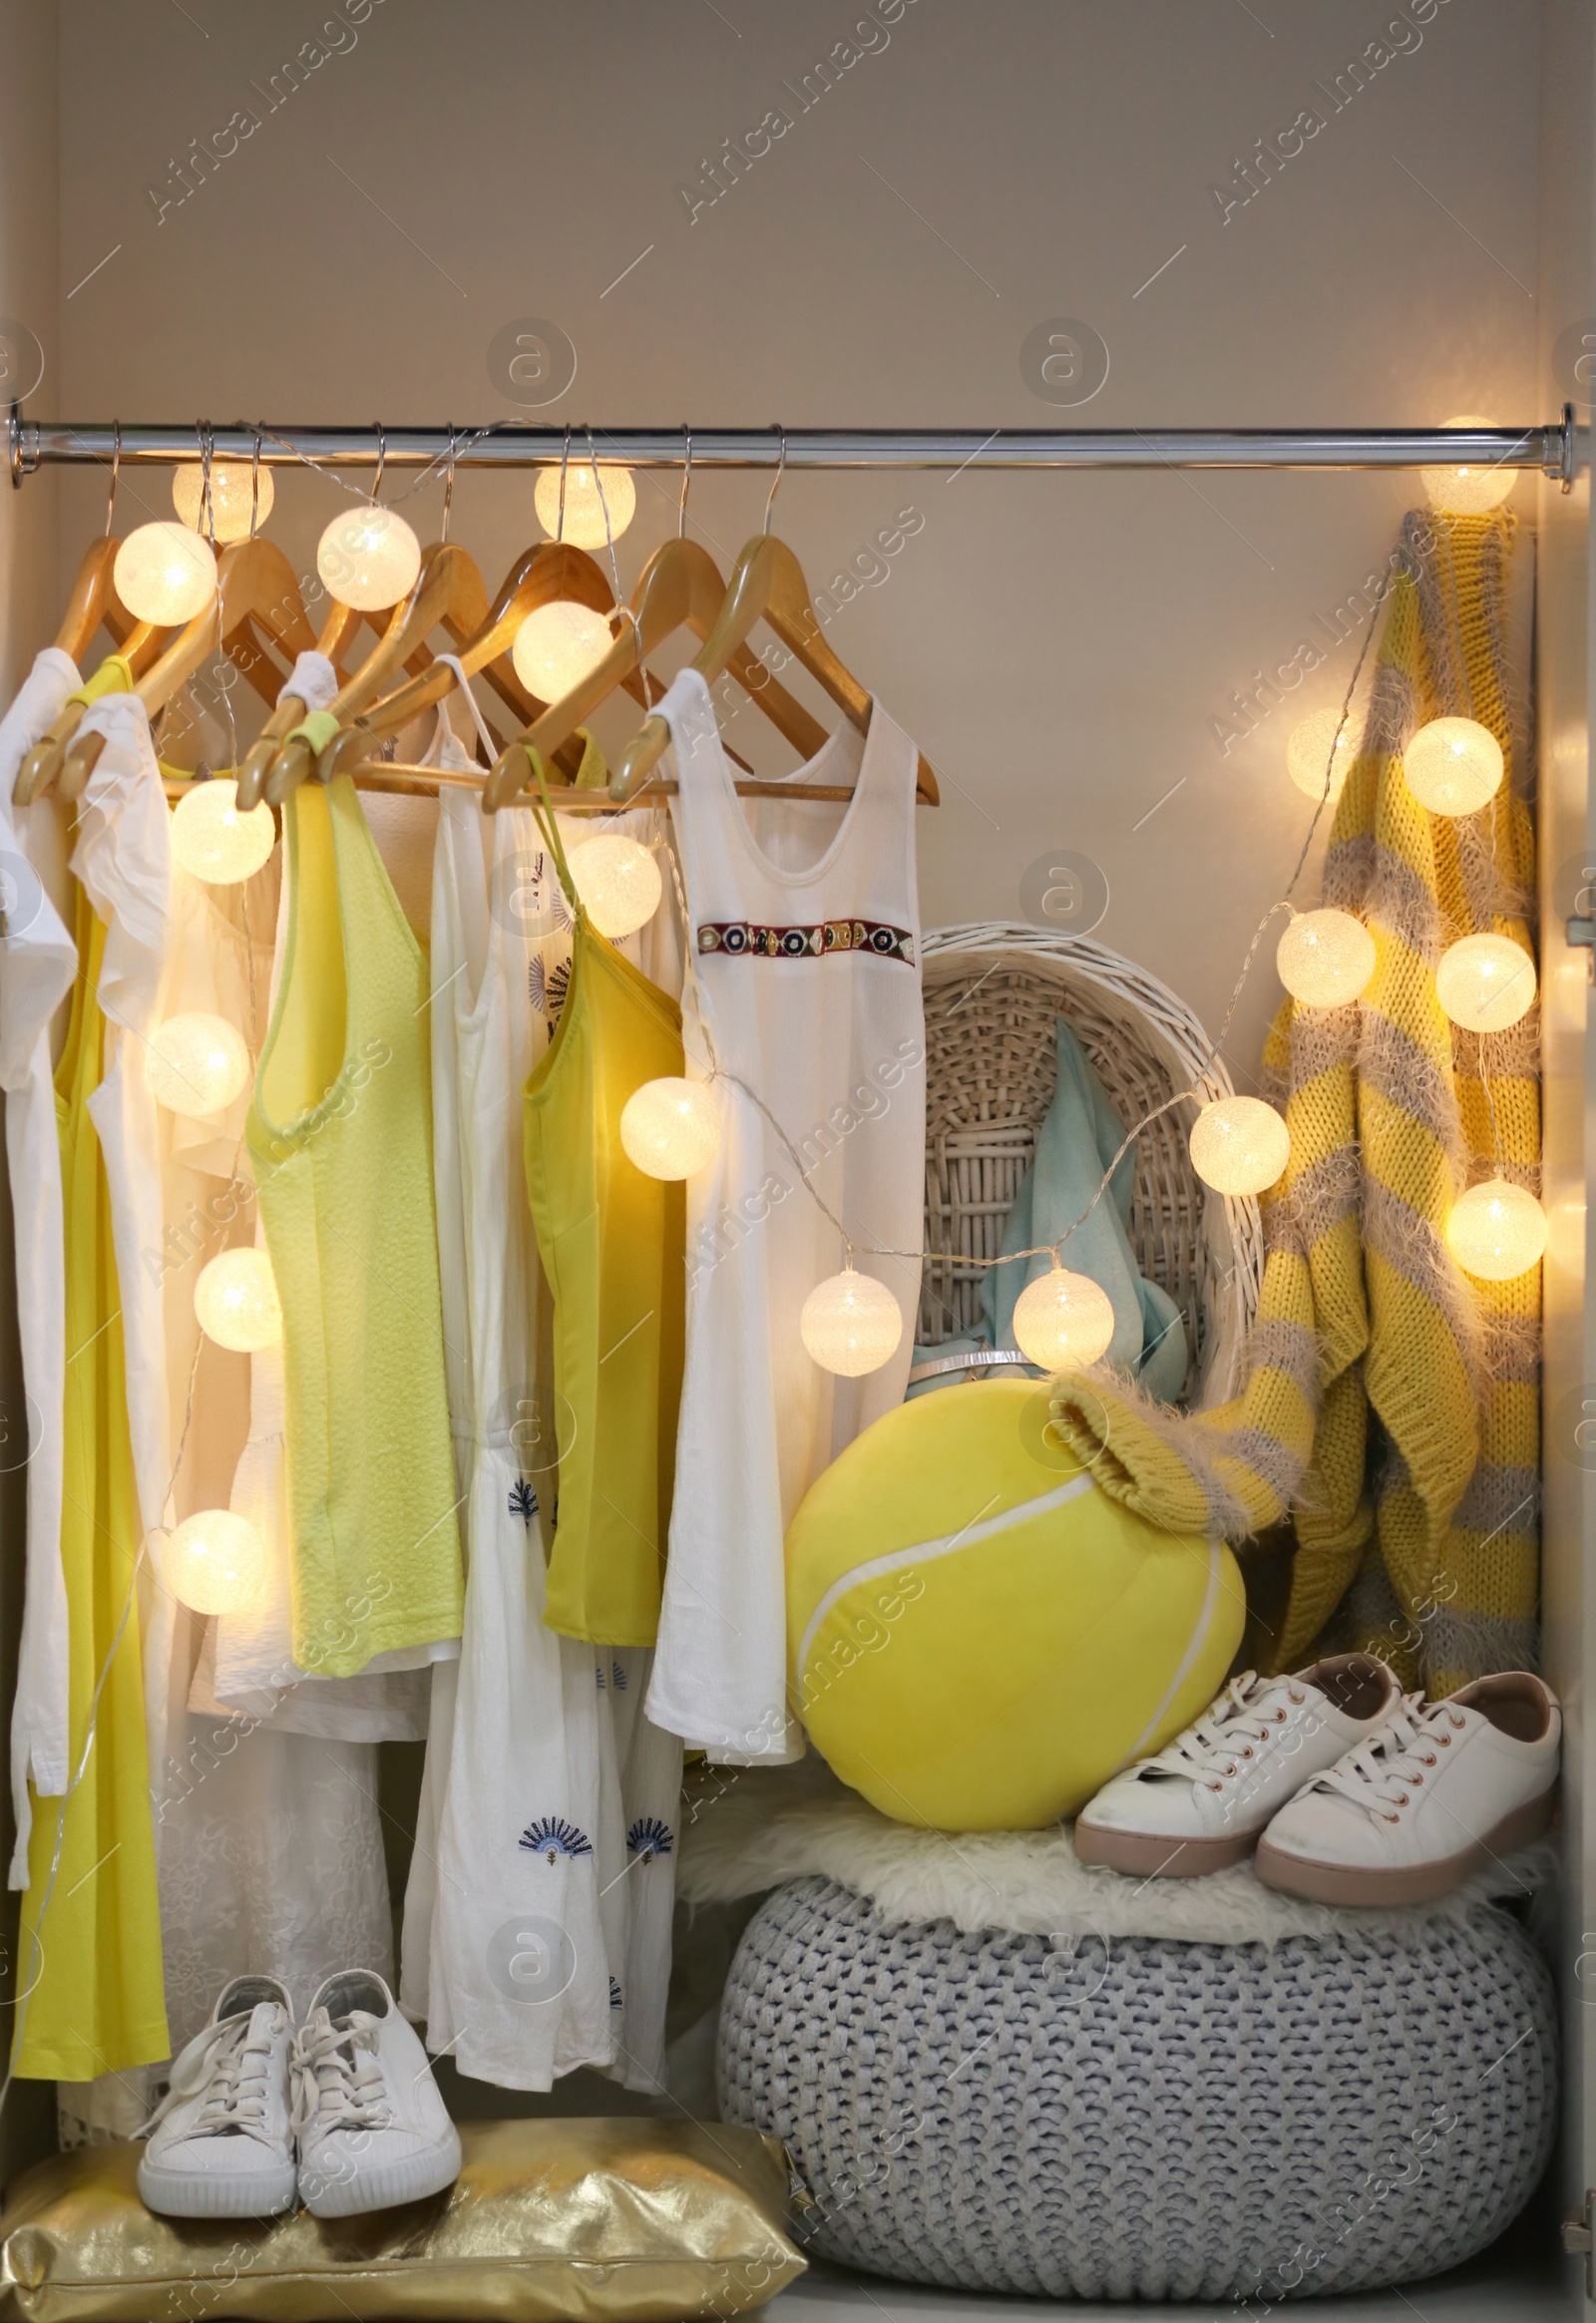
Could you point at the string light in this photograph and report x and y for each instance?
(369, 557)
(1485, 983)
(1308, 753)
(1239, 1145)
(214, 1562)
(231, 497)
(556, 646)
(618, 883)
(1326, 959)
(584, 525)
(210, 838)
(1468, 492)
(1062, 1320)
(670, 1127)
(1496, 1230)
(196, 1064)
(165, 574)
(235, 1301)
(1454, 766)
(850, 1323)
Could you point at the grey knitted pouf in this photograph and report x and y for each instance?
(1151, 2119)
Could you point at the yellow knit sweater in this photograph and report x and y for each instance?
(1361, 1305)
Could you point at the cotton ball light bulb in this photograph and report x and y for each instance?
(1308, 753)
(1468, 492)
(1496, 1230)
(1454, 766)
(618, 883)
(214, 1562)
(196, 1064)
(1062, 1319)
(850, 1323)
(556, 646)
(369, 557)
(210, 838)
(670, 1127)
(1239, 1145)
(584, 525)
(1326, 959)
(235, 1300)
(232, 494)
(1485, 983)
(165, 574)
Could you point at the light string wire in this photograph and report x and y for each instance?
(716, 1072)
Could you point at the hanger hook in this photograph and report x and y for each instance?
(208, 514)
(382, 457)
(686, 478)
(603, 503)
(254, 486)
(565, 456)
(781, 463)
(116, 468)
(448, 482)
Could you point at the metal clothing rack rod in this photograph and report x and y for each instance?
(1550, 448)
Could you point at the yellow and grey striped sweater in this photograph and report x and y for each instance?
(1425, 1524)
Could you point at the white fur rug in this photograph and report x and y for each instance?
(748, 1830)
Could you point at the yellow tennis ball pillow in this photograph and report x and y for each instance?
(978, 1635)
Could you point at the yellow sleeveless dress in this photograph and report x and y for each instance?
(91, 1969)
(340, 1138)
(612, 1244)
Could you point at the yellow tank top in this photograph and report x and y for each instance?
(340, 1137)
(91, 1967)
(612, 1244)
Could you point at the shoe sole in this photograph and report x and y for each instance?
(1151, 1855)
(260, 2193)
(1320, 1882)
(384, 2187)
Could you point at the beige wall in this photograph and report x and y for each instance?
(1058, 644)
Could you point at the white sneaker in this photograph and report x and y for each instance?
(1205, 1799)
(1444, 1789)
(220, 2142)
(373, 2130)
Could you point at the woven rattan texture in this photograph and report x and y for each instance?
(990, 1068)
(1150, 2119)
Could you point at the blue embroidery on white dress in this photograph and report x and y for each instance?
(552, 1835)
(523, 1500)
(616, 2001)
(650, 1838)
(618, 1675)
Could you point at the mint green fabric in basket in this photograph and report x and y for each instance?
(1077, 1140)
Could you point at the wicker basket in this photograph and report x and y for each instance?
(993, 990)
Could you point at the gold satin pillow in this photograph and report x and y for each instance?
(635, 2219)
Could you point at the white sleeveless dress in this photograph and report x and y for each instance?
(804, 984)
(536, 1926)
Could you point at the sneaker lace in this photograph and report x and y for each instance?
(1381, 1775)
(1250, 1712)
(338, 2082)
(230, 2063)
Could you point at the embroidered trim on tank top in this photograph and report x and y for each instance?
(746, 939)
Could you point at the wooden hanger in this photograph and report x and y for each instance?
(338, 631)
(767, 583)
(94, 599)
(256, 586)
(449, 591)
(680, 588)
(551, 572)
(136, 643)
